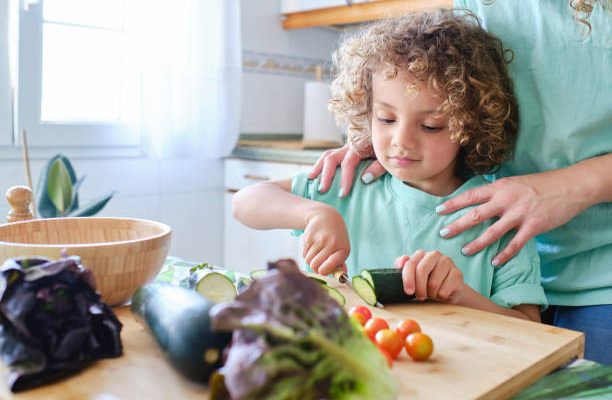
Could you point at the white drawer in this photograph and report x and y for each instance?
(240, 173)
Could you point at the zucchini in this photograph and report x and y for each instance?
(383, 285)
(179, 321)
(335, 294)
(216, 287)
(258, 273)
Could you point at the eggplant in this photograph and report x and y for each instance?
(178, 319)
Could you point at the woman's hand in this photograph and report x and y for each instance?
(348, 160)
(431, 275)
(325, 241)
(530, 204)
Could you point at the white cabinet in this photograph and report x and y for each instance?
(247, 249)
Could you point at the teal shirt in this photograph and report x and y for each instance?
(563, 83)
(388, 218)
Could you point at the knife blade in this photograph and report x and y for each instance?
(343, 278)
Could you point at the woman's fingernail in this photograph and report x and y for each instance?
(341, 192)
(320, 186)
(367, 178)
(444, 232)
(465, 250)
(495, 262)
(440, 208)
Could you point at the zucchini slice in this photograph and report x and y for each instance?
(258, 273)
(366, 274)
(387, 285)
(363, 288)
(216, 287)
(316, 277)
(335, 294)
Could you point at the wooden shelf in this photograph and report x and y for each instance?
(359, 12)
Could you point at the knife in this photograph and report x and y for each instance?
(343, 278)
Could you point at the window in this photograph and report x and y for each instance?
(6, 72)
(74, 80)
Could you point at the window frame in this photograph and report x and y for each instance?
(48, 134)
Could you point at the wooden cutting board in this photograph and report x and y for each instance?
(477, 355)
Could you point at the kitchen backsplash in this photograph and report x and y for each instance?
(282, 64)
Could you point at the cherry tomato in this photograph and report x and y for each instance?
(419, 346)
(374, 325)
(390, 341)
(386, 354)
(361, 310)
(359, 317)
(406, 327)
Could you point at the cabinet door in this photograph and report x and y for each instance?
(247, 249)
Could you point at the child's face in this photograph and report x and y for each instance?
(410, 141)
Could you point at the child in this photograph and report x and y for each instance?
(430, 93)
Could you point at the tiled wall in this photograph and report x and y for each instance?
(276, 65)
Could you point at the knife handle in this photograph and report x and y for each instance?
(340, 275)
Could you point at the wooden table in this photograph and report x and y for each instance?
(477, 355)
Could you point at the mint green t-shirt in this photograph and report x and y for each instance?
(563, 83)
(388, 218)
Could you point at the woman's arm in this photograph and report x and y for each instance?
(473, 299)
(530, 204)
(271, 205)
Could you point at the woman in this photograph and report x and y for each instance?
(557, 187)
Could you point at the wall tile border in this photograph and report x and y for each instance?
(283, 65)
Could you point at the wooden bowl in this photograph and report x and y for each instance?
(122, 253)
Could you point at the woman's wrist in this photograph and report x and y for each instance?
(593, 179)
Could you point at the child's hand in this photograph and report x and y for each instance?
(325, 241)
(431, 275)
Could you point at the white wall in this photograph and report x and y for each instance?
(187, 194)
(273, 98)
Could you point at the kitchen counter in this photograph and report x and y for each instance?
(477, 355)
(279, 148)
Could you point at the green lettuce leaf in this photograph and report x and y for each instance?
(292, 341)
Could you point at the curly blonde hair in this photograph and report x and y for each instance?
(584, 8)
(452, 54)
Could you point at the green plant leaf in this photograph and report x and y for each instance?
(93, 206)
(59, 186)
(45, 207)
(75, 194)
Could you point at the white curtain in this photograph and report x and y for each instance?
(188, 54)
(5, 76)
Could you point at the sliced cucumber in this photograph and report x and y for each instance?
(387, 285)
(335, 294)
(258, 273)
(364, 289)
(316, 277)
(366, 274)
(216, 287)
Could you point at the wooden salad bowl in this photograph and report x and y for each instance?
(122, 253)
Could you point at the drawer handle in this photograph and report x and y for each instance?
(256, 177)
(231, 191)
